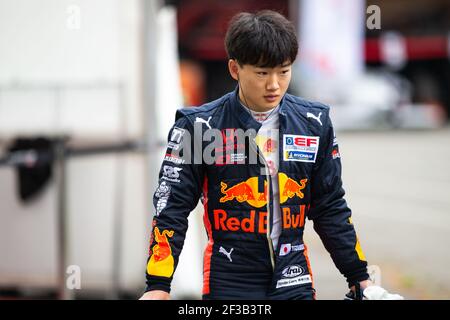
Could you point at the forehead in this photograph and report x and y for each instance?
(283, 65)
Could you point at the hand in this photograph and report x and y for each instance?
(155, 295)
(370, 291)
(363, 284)
(378, 293)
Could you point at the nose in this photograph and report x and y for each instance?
(272, 83)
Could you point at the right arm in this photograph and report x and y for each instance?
(178, 192)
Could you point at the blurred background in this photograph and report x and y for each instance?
(88, 92)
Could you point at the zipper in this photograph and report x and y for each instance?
(269, 185)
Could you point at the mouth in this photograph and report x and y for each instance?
(271, 97)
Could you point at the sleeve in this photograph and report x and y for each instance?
(177, 194)
(331, 215)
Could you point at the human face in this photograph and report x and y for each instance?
(261, 89)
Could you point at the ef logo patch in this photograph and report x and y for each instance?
(300, 148)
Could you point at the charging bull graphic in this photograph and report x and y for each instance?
(241, 192)
(290, 188)
(161, 262)
(247, 191)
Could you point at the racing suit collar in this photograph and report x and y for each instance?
(244, 117)
(246, 120)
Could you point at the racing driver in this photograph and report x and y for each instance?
(276, 163)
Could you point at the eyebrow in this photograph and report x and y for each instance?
(282, 66)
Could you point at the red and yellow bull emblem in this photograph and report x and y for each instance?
(161, 262)
(290, 188)
(247, 191)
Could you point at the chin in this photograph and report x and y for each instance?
(272, 104)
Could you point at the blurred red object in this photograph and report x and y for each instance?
(202, 24)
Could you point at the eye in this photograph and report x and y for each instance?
(261, 73)
(285, 71)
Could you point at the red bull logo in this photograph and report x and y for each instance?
(161, 262)
(294, 220)
(256, 222)
(290, 188)
(247, 191)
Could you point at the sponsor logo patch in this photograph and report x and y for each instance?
(171, 173)
(162, 193)
(317, 118)
(335, 153)
(292, 271)
(255, 222)
(255, 193)
(300, 148)
(201, 120)
(238, 157)
(161, 262)
(294, 281)
(226, 253)
(292, 276)
(173, 159)
(287, 248)
(176, 138)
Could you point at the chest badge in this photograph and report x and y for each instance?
(300, 148)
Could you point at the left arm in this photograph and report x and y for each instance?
(332, 221)
(330, 213)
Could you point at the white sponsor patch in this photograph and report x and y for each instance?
(300, 148)
(161, 204)
(238, 157)
(171, 173)
(175, 138)
(299, 247)
(173, 159)
(163, 190)
(294, 281)
(162, 193)
(287, 248)
(173, 145)
(292, 271)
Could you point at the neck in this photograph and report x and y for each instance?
(242, 100)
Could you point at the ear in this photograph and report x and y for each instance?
(233, 68)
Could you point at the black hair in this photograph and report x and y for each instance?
(263, 39)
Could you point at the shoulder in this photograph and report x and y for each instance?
(303, 105)
(206, 110)
(315, 114)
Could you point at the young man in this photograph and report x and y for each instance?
(255, 210)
